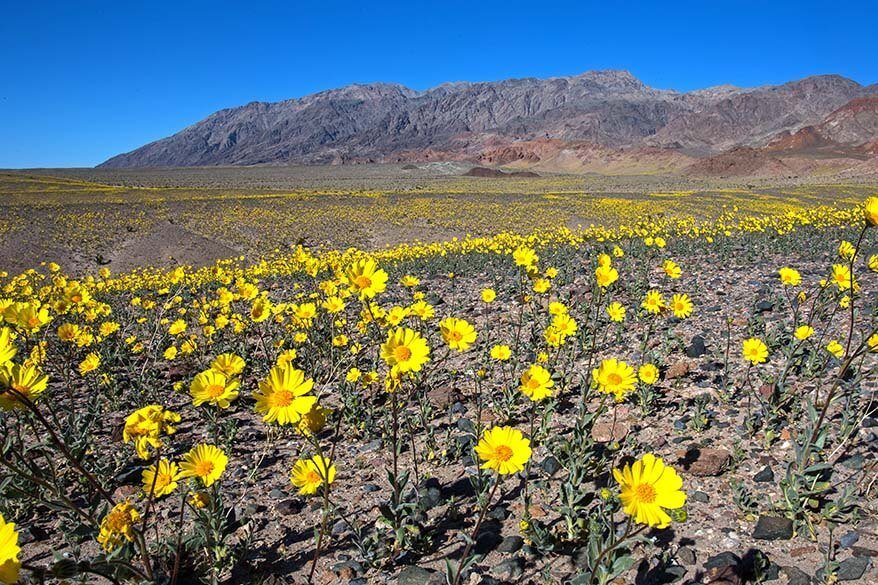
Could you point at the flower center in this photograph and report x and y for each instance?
(313, 477)
(645, 493)
(282, 398)
(363, 281)
(402, 353)
(614, 379)
(533, 383)
(204, 468)
(503, 453)
(215, 390)
(455, 336)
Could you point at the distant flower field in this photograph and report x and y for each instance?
(533, 401)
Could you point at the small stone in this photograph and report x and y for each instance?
(347, 569)
(796, 576)
(773, 528)
(848, 539)
(606, 431)
(696, 347)
(550, 465)
(764, 476)
(509, 569)
(430, 498)
(852, 569)
(677, 370)
(870, 422)
(288, 507)
(458, 408)
(764, 306)
(276, 494)
(371, 446)
(705, 462)
(686, 556)
(511, 544)
(466, 425)
(672, 574)
(700, 497)
(413, 575)
(860, 551)
(723, 559)
(339, 528)
(371, 487)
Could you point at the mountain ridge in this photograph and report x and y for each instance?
(608, 109)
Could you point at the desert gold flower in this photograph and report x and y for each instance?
(409, 281)
(118, 526)
(672, 269)
(616, 312)
(146, 425)
(160, 480)
(313, 420)
(177, 327)
(873, 263)
(537, 383)
(790, 276)
(653, 302)
(846, 250)
(835, 348)
(19, 381)
(503, 449)
(10, 565)
(754, 351)
(7, 347)
(870, 210)
(91, 363)
(615, 377)
(333, 305)
(405, 350)
(205, 463)
(606, 275)
(501, 352)
(457, 333)
(525, 257)
(841, 276)
(565, 325)
(213, 387)
(283, 396)
(648, 488)
(68, 332)
(309, 474)
(228, 364)
(648, 374)
(366, 279)
(681, 305)
(872, 342)
(803, 332)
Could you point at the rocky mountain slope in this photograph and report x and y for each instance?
(582, 122)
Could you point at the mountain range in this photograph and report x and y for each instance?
(599, 121)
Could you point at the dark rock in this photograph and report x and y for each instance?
(764, 476)
(773, 528)
(413, 575)
(696, 347)
(796, 576)
(848, 539)
(466, 425)
(458, 408)
(870, 422)
(347, 569)
(371, 487)
(339, 528)
(289, 507)
(686, 556)
(550, 465)
(371, 446)
(853, 568)
(672, 574)
(509, 569)
(764, 306)
(723, 559)
(699, 497)
(430, 498)
(499, 513)
(511, 544)
(705, 462)
(276, 494)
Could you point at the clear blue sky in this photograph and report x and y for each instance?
(82, 81)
